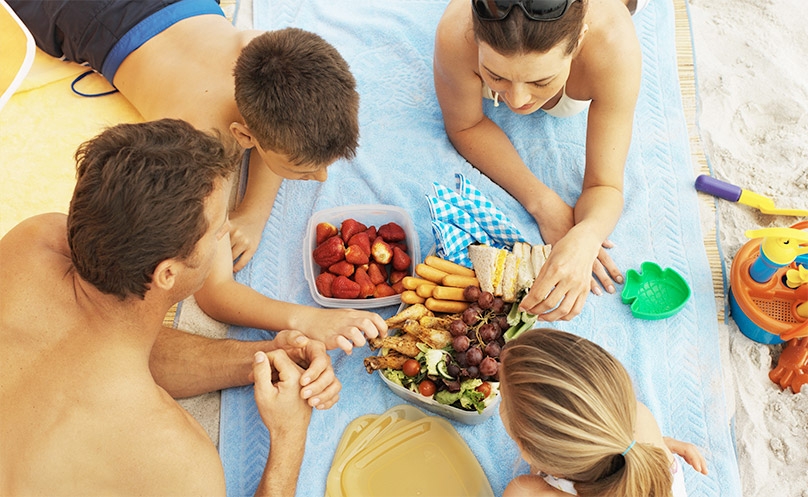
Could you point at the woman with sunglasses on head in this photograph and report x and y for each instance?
(561, 57)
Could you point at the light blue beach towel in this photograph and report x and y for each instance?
(403, 150)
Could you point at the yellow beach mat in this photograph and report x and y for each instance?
(43, 123)
(18, 52)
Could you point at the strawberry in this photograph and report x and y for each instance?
(329, 252)
(377, 273)
(362, 239)
(366, 286)
(324, 282)
(371, 231)
(381, 251)
(401, 261)
(383, 290)
(356, 255)
(396, 276)
(343, 268)
(350, 227)
(344, 288)
(391, 232)
(324, 231)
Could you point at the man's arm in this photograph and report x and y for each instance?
(185, 364)
(287, 419)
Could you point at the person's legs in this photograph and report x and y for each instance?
(85, 31)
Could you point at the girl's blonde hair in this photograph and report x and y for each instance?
(570, 406)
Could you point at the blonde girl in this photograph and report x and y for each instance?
(571, 409)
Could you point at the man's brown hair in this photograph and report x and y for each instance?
(297, 95)
(517, 35)
(140, 199)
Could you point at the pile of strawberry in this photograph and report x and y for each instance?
(358, 261)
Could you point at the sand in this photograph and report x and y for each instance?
(753, 95)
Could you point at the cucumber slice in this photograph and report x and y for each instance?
(443, 371)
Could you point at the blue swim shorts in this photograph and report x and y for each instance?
(102, 33)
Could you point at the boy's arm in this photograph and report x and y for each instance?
(228, 301)
(247, 221)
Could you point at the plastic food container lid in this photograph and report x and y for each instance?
(369, 215)
(416, 456)
(654, 293)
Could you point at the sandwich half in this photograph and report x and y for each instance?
(505, 273)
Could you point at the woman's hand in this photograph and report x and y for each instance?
(561, 288)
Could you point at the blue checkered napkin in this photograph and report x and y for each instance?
(501, 230)
(449, 214)
(451, 243)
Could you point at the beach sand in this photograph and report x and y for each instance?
(753, 95)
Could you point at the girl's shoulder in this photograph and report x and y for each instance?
(531, 486)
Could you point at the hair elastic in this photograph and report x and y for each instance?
(628, 448)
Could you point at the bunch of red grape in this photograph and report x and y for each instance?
(478, 336)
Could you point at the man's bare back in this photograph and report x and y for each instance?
(73, 381)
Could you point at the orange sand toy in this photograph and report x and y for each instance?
(792, 367)
(762, 303)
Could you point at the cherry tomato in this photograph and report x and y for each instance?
(485, 389)
(411, 367)
(427, 388)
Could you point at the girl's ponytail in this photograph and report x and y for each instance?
(644, 471)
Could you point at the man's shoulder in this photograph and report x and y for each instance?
(40, 239)
(166, 446)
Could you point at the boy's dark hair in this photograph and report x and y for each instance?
(297, 95)
(140, 199)
(516, 34)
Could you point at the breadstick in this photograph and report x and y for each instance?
(448, 266)
(411, 282)
(428, 272)
(459, 281)
(425, 290)
(448, 293)
(410, 297)
(447, 306)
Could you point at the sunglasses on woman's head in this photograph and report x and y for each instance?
(535, 10)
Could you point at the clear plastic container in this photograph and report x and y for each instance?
(432, 405)
(369, 215)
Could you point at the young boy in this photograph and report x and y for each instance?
(287, 96)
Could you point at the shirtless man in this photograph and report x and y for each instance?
(286, 95)
(83, 408)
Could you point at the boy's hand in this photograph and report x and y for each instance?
(342, 328)
(319, 385)
(689, 452)
(245, 235)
